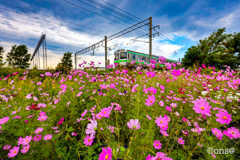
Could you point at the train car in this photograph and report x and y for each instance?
(123, 56)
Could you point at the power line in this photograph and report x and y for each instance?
(49, 16)
(42, 19)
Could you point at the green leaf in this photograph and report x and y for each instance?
(70, 129)
(46, 154)
(19, 133)
(122, 149)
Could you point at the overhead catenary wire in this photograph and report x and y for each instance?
(49, 16)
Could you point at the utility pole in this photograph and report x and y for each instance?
(105, 53)
(150, 38)
(75, 61)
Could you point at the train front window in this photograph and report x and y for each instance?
(144, 59)
(123, 55)
(115, 56)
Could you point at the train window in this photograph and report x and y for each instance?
(115, 56)
(123, 55)
(144, 59)
(133, 57)
(147, 59)
(138, 58)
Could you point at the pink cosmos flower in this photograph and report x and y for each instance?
(25, 148)
(37, 138)
(4, 120)
(157, 145)
(161, 103)
(105, 112)
(202, 106)
(39, 83)
(161, 121)
(54, 127)
(181, 141)
(57, 131)
(63, 86)
(84, 113)
(111, 128)
(61, 121)
(217, 132)
(106, 154)
(42, 118)
(13, 152)
(152, 90)
(149, 117)
(26, 140)
(30, 116)
(29, 96)
(233, 132)
(149, 157)
(20, 140)
(47, 137)
(39, 130)
(162, 87)
(173, 105)
(6, 147)
(91, 128)
(184, 119)
(168, 108)
(134, 124)
(223, 117)
(88, 141)
(176, 73)
(161, 156)
(150, 101)
(74, 134)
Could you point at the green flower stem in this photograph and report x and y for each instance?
(130, 143)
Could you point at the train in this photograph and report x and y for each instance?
(123, 57)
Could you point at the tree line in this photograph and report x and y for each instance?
(19, 58)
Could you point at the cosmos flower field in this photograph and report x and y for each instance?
(138, 114)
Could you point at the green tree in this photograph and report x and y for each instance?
(18, 57)
(217, 50)
(1, 57)
(66, 61)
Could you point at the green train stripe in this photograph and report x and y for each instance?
(136, 62)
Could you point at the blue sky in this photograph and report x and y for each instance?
(71, 28)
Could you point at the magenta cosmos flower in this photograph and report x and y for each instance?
(202, 106)
(38, 130)
(176, 73)
(134, 124)
(233, 133)
(4, 120)
(223, 117)
(106, 154)
(150, 101)
(105, 112)
(88, 141)
(6, 147)
(161, 121)
(91, 129)
(157, 144)
(152, 90)
(217, 132)
(13, 152)
(25, 148)
(37, 138)
(63, 86)
(26, 140)
(161, 156)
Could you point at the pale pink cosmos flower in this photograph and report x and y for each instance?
(54, 127)
(149, 117)
(88, 141)
(29, 96)
(181, 141)
(105, 112)
(37, 138)
(13, 152)
(84, 113)
(161, 103)
(39, 130)
(57, 131)
(134, 124)
(150, 101)
(223, 117)
(4, 120)
(20, 140)
(30, 116)
(91, 129)
(25, 148)
(39, 83)
(161, 121)
(157, 145)
(6, 147)
(47, 137)
(173, 105)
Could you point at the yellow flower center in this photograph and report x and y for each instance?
(14, 151)
(104, 112)
(47, 138)
(156, 144)
(89, 140)
(202, 108)
(224, 117)
(106, 157)
(215, 132)
(27, 140)
(160, 121)
(232, 132)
